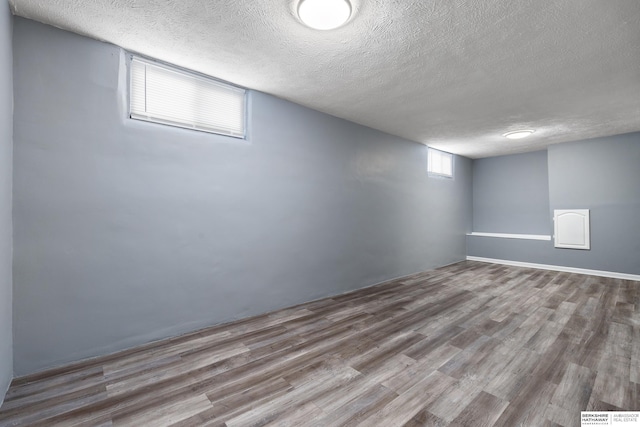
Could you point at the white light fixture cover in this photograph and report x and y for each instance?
(518, 134)
(324, 14)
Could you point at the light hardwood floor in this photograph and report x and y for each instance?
(470, 344)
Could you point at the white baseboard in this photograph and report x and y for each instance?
(511, 236)
(600, 273)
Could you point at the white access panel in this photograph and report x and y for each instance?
(571, 228)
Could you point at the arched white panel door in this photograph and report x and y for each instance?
(571, 228)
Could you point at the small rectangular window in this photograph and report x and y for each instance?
(440, 163)
(167, 95)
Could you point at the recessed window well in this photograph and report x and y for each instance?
(518, 134)
(324, 14)
(440, 163)
(167, 95)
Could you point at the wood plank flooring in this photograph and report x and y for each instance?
(470, 344)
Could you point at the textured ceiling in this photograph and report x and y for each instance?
(453, 74)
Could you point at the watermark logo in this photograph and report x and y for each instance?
(621, 419)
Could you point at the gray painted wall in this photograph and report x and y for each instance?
(6, 168)
(127, 231)
(511, 194)
(533, 251)
(601, 175)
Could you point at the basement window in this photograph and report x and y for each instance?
(440, 163)
(171, 96)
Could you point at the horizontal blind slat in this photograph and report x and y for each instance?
(168, 96)
(440, 162)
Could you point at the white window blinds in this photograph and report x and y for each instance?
(440, 163)
(162, 94)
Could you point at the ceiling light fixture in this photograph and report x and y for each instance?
(518, 134)
(324, 14)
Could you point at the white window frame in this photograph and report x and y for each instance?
(235, 98)
(435, 170)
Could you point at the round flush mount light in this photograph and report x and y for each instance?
(324, 14)
(518, 134)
